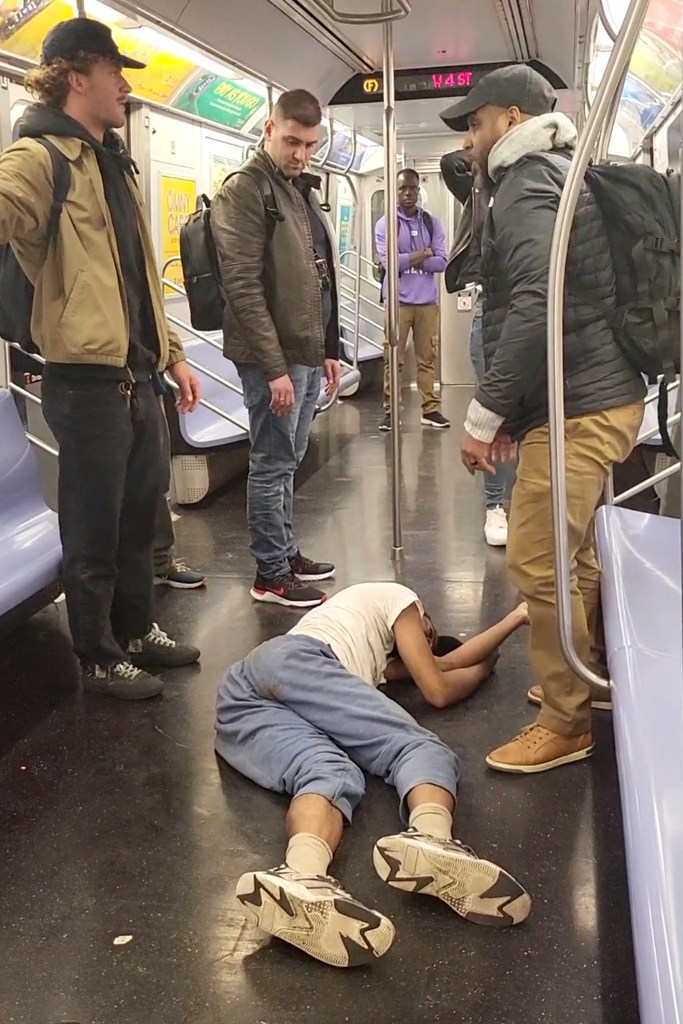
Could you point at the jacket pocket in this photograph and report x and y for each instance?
(74, 300)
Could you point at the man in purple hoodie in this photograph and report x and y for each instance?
(422, 255)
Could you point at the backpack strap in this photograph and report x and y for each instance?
(265, 186)
(61, 183)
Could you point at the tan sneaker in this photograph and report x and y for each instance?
(535, 695)
(537, 749)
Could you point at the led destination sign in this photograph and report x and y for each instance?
(427, 83)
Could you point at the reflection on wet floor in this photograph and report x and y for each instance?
(117, 820)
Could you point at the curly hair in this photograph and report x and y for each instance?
(50, 82)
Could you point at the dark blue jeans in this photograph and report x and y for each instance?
(496, 487)
(278, 445)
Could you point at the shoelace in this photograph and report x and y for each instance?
(124, 670)
(158, 637)
(179, 566)
(314, 881)
(444, 842)
(533, 735)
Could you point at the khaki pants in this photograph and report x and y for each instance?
(593, 443)
(425, 323)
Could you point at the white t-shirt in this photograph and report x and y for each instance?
(357, 623)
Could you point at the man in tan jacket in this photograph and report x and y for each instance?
(99, 322)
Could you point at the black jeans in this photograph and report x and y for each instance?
(111, 474)
(164, 532)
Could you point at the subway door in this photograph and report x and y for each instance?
(456, 312)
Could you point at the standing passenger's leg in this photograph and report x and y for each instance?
(426, 339)
(498, 485)
(272, 464)
(562, 731)
(307, 388)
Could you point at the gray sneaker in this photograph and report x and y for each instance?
(123, 681)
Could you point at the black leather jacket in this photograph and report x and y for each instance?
(474, 192)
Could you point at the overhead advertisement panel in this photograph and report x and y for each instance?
(221, 100)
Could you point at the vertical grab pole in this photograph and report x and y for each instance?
(390, 206)
(618, 62)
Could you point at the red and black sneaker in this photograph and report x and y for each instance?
(287, 590)
(310, 571)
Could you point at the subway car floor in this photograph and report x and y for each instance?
(122, 836)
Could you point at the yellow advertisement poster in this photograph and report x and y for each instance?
(164, 74)
(177, 197)
(25, 23)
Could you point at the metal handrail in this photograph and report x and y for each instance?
(368, 320)
(618, 61)
(209, 405)
(671, 422)
(352, 252)
(364, 337)
(657, 478)
(371, 302)
(388, 14)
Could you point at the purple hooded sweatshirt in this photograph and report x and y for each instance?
(417, 285)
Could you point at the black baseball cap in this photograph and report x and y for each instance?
(515, 86)
(83, 35)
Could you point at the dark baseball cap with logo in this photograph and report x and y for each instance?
(515, 86)
(83, 35)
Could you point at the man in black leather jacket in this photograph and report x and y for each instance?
(525, 149)
(473, 190)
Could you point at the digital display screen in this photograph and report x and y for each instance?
(427, 83)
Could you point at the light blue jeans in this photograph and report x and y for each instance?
(292, 719)
(278, 445)
(496, 487)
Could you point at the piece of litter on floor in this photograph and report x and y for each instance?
(123, 940)
(58, 600)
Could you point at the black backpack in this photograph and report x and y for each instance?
(642, 213)
(16, 291)
(380, 272)
(201, 273)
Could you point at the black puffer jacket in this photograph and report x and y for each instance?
(515, 261)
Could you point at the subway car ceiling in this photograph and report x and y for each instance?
(297, 44)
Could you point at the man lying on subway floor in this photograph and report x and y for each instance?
(302, 714)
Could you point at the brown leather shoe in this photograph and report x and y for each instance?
(537, 749)
(535, 695)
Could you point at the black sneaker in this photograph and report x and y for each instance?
(385, 424)
(181, 577)
(124, 681)
(157, 650)
(310, 571)
(435, 419)
(288, 590)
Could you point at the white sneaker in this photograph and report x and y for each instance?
(496, 527)
(476, 889)
(314, 913)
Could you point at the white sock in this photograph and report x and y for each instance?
(432, 819)
(308, 854)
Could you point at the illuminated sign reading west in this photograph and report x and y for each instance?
(427, 83)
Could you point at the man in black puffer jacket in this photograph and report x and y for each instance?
(526, 149)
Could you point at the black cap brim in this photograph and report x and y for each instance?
(456, 116)
(132, 65)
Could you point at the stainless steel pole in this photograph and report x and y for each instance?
(390, 205)
(618, 62)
